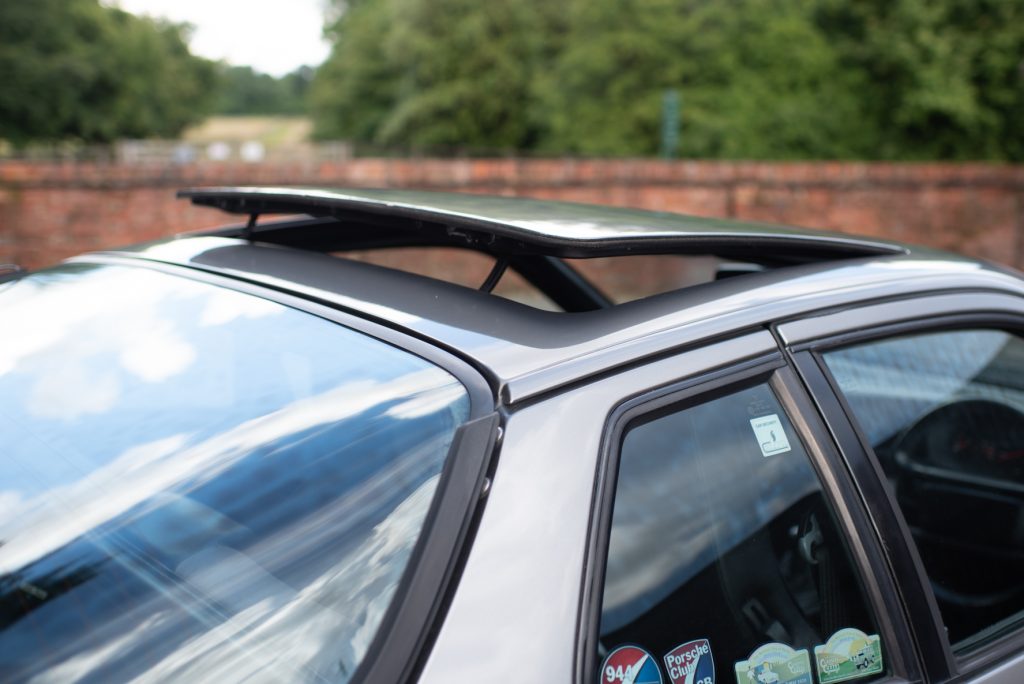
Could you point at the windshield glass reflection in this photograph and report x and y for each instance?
(200, 484)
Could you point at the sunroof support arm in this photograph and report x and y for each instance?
(494, 276)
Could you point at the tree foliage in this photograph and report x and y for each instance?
(76, 69)
(243, 90)
(946, 77)
(888, 79)
(753, 75)
(436, 74)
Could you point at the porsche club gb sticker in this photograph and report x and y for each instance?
(848, 654)
(775, 664)
(630, 665)
(691, 663)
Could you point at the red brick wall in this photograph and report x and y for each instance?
(49, 211)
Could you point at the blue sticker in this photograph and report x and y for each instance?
(691, 663)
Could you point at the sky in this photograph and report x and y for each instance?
(272, 36)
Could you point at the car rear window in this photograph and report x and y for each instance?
(202, 485)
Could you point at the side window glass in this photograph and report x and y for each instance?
(943, 414)
(724, 556)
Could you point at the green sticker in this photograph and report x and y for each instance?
(775, 664)
(848, 654)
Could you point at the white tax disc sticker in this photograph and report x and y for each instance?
(770, 435)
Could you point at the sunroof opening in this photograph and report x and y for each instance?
(624, 279)
(455, 265)
(548, 255)
(619, 279)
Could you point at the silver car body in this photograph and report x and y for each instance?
(518, 612)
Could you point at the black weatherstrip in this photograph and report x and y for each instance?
(876, 576)
(867, 473)
(404, 639)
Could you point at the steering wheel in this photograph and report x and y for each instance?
(959, 477)
(976, 441)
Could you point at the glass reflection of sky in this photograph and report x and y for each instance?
(892, 383)
(202, 485)
(692, 485)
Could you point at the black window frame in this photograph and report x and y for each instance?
(403, 640)
(838, 488)
(940, 662)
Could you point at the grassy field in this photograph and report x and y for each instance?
(272, 131)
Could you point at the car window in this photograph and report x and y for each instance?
(724, 556)
(943, 413)
(201, 485)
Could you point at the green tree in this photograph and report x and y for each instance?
(759, 79)
(436, 73)
(74, 69)
(246, 91)
(943, 79)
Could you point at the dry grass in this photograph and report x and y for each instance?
(272, 131)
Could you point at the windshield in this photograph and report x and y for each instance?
(201, 485)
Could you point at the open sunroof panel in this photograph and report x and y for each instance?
(356, 219)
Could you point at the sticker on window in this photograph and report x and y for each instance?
(630, 665)
(691, 663)
(770, 435)
(848, 654)
(775, 664)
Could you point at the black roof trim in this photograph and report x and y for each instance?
(503, 225)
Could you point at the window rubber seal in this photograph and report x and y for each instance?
(938, 657)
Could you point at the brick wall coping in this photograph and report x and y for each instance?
(503, 173)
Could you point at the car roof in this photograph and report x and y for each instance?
(526, 352)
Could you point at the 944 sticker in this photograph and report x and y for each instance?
(848, 654)
(775, 664)
(630, 665)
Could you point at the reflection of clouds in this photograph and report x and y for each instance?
(324, 629)
(69, 389)
(10, 502)
(155, 353)
(59, 515)
(893, 383)
(425, 403)
(267, 551)
(83, 322)
(224, 306)
(317, 633)
(48, 313)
